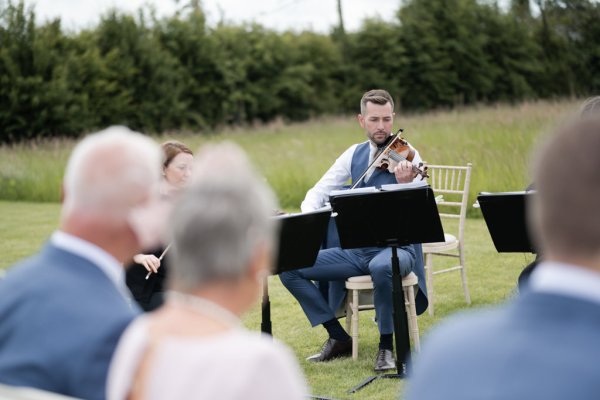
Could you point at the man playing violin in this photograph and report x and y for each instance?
(334, 264)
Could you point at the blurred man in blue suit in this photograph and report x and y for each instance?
(544, 343)
(63, 310)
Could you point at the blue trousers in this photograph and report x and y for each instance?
(337, 265)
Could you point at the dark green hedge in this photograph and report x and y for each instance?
(178, 73)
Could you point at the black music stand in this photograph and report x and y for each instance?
(300, 237)
(389, 219)
(505, 217)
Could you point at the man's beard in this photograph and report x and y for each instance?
(379, 142)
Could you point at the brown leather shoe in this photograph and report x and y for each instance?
(384, 361)
(332, 348)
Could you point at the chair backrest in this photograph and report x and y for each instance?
(453, 183)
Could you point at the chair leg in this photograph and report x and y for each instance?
(429, 273)
(411, 312)
(348, 312)
(354, 332)
(463, 273)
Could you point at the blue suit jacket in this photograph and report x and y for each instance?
(539, 346)
(60, 320)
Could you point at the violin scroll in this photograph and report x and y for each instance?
(421, 170)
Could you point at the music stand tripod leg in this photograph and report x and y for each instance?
(265, 324)
(401, 338)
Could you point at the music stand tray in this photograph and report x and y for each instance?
(505, 217)
(389, 218)
(300, 238)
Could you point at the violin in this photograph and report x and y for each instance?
(397, 149)
(393, 151)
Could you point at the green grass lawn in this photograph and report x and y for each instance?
(25, 226)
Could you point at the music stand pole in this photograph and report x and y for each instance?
(401, 337)
(265, 324)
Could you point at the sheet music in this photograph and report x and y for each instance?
(386, 188)
(403, 186)
(345, 192)
(506, 193)
(327, 207)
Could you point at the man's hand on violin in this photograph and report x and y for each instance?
(404, 172)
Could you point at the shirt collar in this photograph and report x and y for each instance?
(373, 147)
(566, 279)
(372, 151)
(97, 256)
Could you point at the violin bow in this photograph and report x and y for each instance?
(164, 253)
(380, 152)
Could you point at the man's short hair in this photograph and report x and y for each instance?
(221, 220)
(564, 214)
(376, 96)
(109, 171)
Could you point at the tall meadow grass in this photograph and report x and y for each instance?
(33, 171)
(497, 140)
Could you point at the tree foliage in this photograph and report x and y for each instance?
(179, 73)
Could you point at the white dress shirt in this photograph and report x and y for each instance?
(567, 280)
(97, 256)
(338, 175)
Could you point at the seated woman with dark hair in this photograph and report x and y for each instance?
(146, 276)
